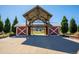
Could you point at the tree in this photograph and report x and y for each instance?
(7, 26)
(13, 25)
(64, 25)
(1, 25)
(78, 28)
(73, 26)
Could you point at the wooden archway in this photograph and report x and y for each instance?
(37, 13)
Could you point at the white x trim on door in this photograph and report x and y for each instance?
(21, 31)
(54, 30)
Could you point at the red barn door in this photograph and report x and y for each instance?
(21, 30)
(54, 30)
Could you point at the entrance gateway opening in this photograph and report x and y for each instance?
(37, 21)
(38, 28)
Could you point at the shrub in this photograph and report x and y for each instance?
(1, 25)
(78, 28)
(64, 25)
(13, 25)
(7, 26)
(73, 26)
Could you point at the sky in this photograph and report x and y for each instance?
(58, 11)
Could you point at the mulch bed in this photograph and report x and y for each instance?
(3, 37)
(75, 36)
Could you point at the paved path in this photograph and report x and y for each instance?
(54, 43)
(14, 45)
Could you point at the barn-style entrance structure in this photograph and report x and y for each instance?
(37, 20)
(38, 28)
(37, 23)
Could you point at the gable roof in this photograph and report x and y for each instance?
(37, 7)
(56, 24)
(19, 25)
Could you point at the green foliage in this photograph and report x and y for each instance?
(13, 25)
(7, 26)
(4, 35)
(1, 25)
(73, 26)
(64, 25)
(78, 28)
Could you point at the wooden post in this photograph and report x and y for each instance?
(46, 30)
(26, 28)
(29, 28)
(16, 31)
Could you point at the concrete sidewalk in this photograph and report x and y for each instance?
(74, 40)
